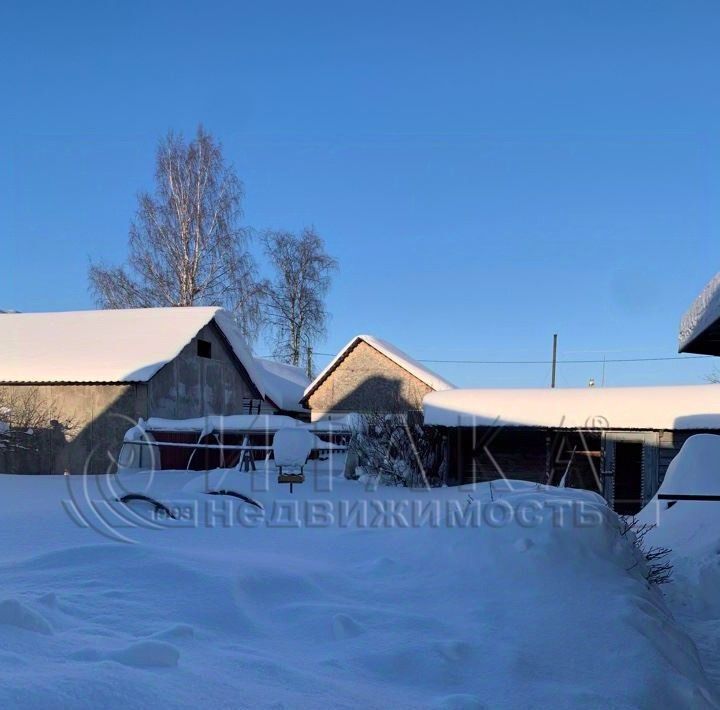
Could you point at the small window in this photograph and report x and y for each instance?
(204, 348)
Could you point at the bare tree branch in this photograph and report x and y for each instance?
(659, 569)
(185, 245)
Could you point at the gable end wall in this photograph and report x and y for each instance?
(193, 386)
(366, 380)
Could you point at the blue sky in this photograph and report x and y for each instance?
(487, 173)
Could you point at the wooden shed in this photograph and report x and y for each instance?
(370, 374)
(616, 441)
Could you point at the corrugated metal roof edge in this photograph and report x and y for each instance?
(72, 382)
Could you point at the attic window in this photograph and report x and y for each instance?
(204, 348)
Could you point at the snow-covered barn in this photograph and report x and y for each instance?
(370, 374)
(617, 441)
(104, 370)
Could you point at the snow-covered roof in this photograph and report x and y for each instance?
(284, 384)
(128, 345)
(701, 315)
(430, 378)
(680, 407)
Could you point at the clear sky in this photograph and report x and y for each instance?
(487, 173)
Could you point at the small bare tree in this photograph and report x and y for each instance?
(295, 298)
(396, 449)
(185, 244)
(659, 569)
(24, 413)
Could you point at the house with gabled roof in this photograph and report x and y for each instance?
(103, 370)
(370, 374)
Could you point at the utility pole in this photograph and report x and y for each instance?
(554, 360)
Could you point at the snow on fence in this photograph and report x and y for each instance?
(225, 442)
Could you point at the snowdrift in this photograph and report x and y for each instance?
(513, 595)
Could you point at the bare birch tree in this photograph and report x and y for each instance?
(295, 298)
(186, 247)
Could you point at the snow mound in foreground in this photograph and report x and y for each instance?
(14, 613)
(143, 654)
(514, 596)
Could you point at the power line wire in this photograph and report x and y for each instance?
(563, 362)
(541, 362)
(547, 362)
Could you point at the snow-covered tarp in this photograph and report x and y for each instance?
(415, 368)
(701, 314)
(128, 345)
(696, 468)
(689, 524)
(677, 407)
(284, 384)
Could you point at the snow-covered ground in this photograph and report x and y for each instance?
(334, 596)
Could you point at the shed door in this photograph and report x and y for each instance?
(608, 469)
(628, 497)
(630, 469)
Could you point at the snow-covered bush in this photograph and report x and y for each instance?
(398, 450)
